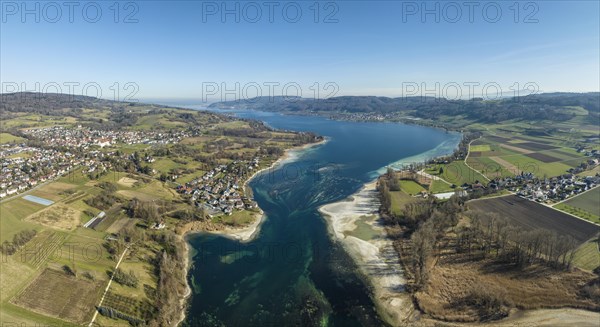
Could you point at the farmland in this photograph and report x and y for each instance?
(586, 205)
(505, 154)
(54, 294)
(531, 215)
(588, 201)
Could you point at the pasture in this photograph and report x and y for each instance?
(12, 213)
(438, 186)
(410, 187)
(530, 215)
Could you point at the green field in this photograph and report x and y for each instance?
(399, 200)
(9, 138)
(578, 212)
(588, 255)
(456, 172)
(585, 206)
(410, 187)
(480, 148)
(13, 212)
(488, 167)
(528, 164)
(438, 186)
(588, 201)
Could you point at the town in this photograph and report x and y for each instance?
(26, 166)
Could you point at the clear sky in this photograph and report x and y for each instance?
(183, 49)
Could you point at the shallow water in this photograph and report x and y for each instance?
(292, 274)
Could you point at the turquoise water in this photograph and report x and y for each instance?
(292, 274)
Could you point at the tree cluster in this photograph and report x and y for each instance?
(127, 279)
(490, 235)
(19, 240)
(102, 201)
(171, 281)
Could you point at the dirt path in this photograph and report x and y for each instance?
(107, 288)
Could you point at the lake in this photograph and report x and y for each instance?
(292, 273)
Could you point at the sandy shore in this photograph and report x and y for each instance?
(242, 234)
(378, 262)
(375, 256)
(188, 289)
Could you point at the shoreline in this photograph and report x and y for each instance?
(242, 234)
(380, 266)
(375, 256)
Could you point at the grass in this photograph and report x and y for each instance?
(410, 187)
(588, 201)
(488, 146)
(9, 138)
(438, 186)
(488, 167)
(587, 255)
(86, 250)
(578, 212)
(456, 172)
(399, 200)
(537, 167)
(237, 218)
(13, 212)
(480, 148)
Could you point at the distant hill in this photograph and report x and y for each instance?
(547, 106)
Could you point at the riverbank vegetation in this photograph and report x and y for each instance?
(467, 265)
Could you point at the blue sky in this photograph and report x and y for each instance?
(177, 48)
